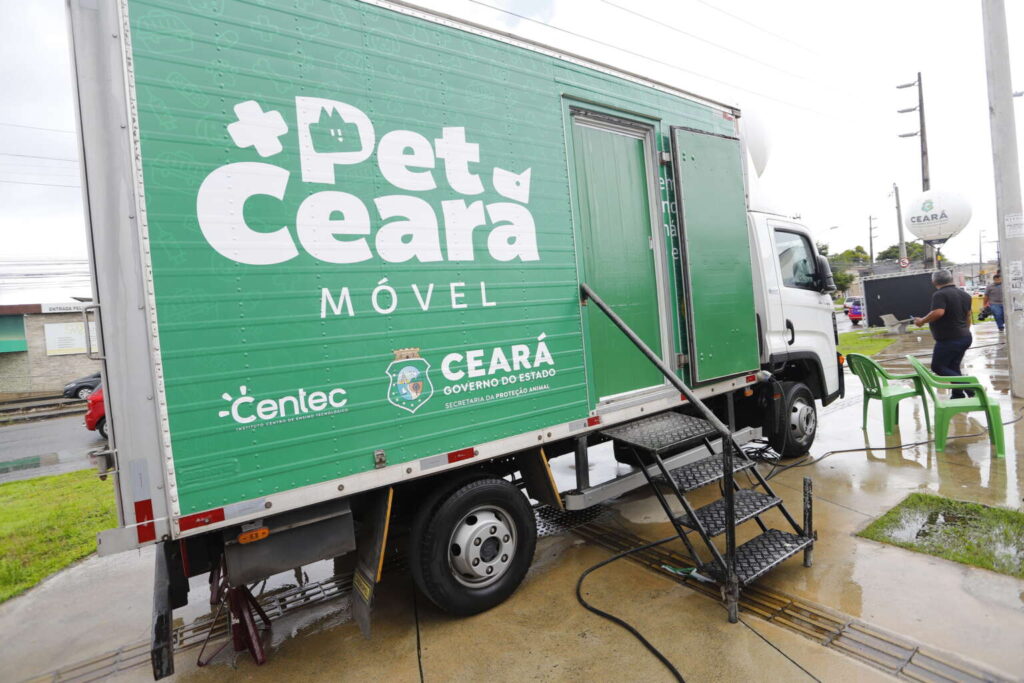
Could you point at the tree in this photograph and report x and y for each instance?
(915, 252)
(843, 280)
(855, 255)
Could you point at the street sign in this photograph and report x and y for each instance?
(904, 262)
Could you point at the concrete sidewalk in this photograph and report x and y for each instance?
(542, 633)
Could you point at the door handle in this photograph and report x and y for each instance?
(792, 331)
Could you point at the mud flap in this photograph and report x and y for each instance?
(370, 543)
(540, 482)
(161, 652)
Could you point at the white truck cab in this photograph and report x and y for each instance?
(796, 324)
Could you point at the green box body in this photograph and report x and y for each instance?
(365, 231)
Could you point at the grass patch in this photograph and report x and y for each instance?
(866, 342)
(49, 522)
(969, 533)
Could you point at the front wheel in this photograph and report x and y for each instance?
(471, 547)
(794, 433)
(84, 393)
(101, 427)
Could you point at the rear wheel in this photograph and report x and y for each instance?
(84, 393)
(101, 427)
(472, 545)
(794, 433)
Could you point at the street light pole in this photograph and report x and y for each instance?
(922, 132)
(1010, 220)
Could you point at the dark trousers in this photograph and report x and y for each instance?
(946, 359)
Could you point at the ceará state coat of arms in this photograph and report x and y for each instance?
(409, 376)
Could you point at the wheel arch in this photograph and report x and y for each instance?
(804, 367)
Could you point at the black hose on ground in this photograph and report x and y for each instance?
(621, 622)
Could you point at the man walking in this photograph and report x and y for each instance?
(950, 323)
(994, 299)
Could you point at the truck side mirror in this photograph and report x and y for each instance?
(826, 283)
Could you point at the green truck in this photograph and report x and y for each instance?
(338, 249)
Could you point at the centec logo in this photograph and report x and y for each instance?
(928, 205)
(246, 410)
(410, 385)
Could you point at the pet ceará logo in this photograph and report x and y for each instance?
(247, 410)
(409, 386)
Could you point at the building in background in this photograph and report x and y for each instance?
(43, 347)
(42, 336)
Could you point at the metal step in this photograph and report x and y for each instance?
(748, 503)
(665, 433)
(761, 553)
(705, 471)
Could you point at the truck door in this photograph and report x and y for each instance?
(807, 311)
(716, 252)
(621, 253)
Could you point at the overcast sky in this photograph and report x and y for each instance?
(817, 76)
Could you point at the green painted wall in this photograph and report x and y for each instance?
(258, 199)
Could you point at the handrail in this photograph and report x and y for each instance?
(731, 581)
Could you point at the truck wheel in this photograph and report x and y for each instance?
(798, 425)
(471, 547)
(101, 427)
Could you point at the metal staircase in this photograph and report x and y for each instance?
(652, 438)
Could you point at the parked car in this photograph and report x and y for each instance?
(850, 301)
(96, 414)
(82, 387)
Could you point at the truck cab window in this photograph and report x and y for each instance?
(796, 260)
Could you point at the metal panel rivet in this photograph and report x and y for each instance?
(341, 487)
(408, 470)
(267, 504)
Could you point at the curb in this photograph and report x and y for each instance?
(34, 417)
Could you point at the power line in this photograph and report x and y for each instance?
(22, 182)
(643, 56)
(36, 156)
(759, 28)
(22, 125)
(658, 22)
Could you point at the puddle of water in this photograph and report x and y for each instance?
(20, 464)
(962, 534)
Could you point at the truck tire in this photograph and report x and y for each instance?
(798, 424)
(472, 545)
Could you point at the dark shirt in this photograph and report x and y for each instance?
(994, 292)
(954, 324)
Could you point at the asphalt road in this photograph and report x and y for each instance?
(33, 449)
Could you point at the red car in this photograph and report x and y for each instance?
(96, 413)
(856, 313)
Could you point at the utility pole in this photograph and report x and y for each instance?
(899, 221)
(1010, 221)
(871, 239)
(922, 132)
(981, 261)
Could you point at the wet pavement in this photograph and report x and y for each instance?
(542, 633)
(36, 449)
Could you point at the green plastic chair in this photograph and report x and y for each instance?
(876, 380)
(945, 409)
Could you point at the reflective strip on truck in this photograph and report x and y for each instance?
(201, 519)
(144, 520)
